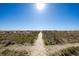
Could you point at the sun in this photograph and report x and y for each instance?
(40, 6)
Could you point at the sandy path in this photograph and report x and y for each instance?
(56, 48)
(39, 47)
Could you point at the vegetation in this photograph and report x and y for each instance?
(8, 52)
(60, 37)
(18, 37)
(71, 51)
(51, 38)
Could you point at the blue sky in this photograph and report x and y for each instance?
(18, 16)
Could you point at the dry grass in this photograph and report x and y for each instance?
(70, 51)
(57, 43)
(19, 37)
(60, 37)
(8, 52)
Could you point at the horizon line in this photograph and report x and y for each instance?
(39, 29)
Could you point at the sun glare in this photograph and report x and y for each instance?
(40, 6)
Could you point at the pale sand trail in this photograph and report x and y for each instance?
(56, 48)
(39, 48)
